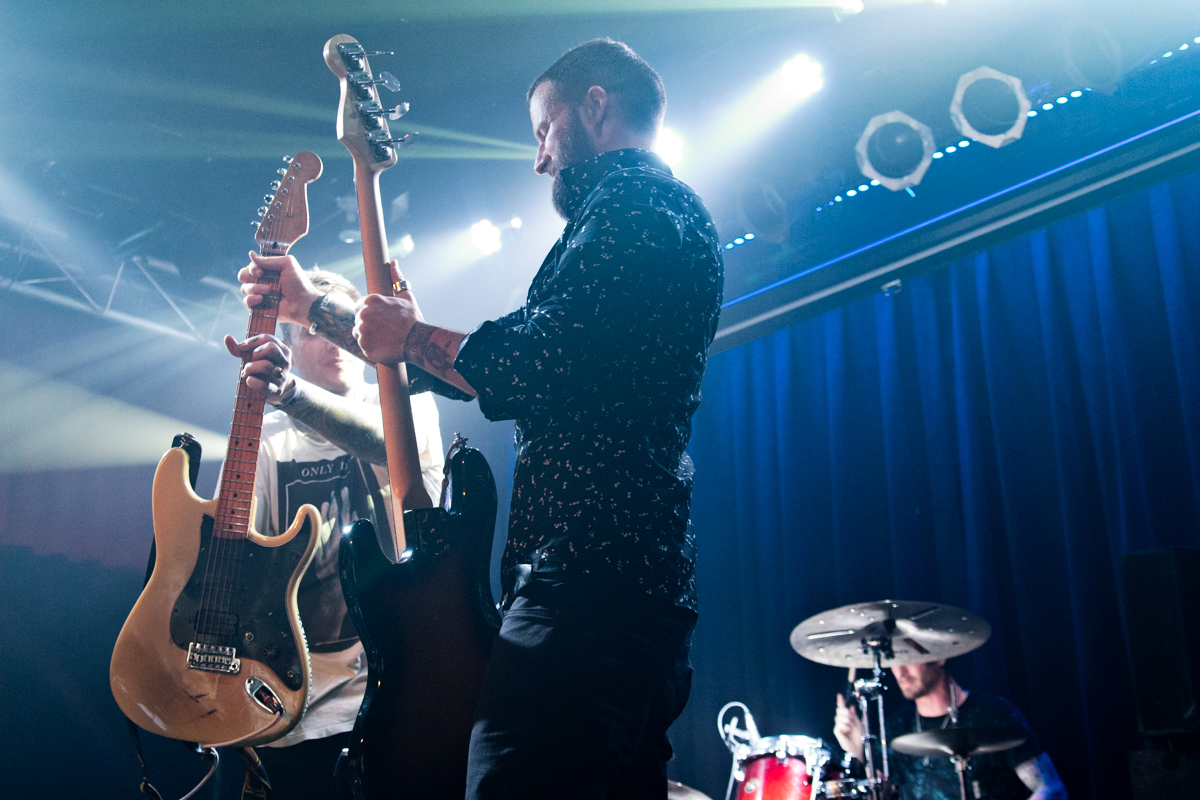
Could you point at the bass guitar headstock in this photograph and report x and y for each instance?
(362, 120)
(285, 216)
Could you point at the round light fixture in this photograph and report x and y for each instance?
(990, 107)
(895, 150)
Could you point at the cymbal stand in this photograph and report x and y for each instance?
(866, 690)
(960, 766)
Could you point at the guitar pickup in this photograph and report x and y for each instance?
(213, 658)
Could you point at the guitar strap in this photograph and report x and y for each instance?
(144, 785)
(256, 785)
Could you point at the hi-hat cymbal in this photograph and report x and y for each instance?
(677, 791)
(958, 741)
(919, 633)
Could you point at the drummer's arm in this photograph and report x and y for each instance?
(1040, 776)
(847, 728)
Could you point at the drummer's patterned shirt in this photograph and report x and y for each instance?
(601, 370)
(989, 777)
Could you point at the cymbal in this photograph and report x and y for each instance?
(958, 741)
(919, 632)
(677, 791)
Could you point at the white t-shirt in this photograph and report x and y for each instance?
(295, 466)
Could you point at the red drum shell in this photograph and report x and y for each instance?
(768, 778)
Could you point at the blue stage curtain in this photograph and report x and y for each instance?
(994, 436)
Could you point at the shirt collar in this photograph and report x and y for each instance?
(580, 179)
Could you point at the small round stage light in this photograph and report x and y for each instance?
(748, 236)
(1076, 93)
(515, 223)
(1047, 106)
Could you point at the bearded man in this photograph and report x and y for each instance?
(601, 369)
(937, 701)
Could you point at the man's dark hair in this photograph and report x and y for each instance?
(614, 67)
(325, 282)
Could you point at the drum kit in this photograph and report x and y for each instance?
(869, 636)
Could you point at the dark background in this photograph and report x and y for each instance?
(995, 436)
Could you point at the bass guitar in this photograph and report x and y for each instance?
(427, 621)
(213, 651)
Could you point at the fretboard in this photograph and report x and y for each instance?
(241, 457)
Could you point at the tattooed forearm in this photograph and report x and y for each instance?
(434, 350)
(353, 426)
(332, 316)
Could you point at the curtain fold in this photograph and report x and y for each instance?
(996, 435)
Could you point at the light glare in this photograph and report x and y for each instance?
(406, 243)
(669, 145)
(515, 223)
(485, 237)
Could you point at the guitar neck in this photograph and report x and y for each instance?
(399, 432)
(241, 457)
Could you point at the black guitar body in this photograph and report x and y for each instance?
(427, 624)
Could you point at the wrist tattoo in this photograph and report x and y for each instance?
(422, 350)
(332, 316)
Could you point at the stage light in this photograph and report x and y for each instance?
(748, 237)
(515, 223)
(406, 244)
(485, 237)
(991, 107)
(1047, 106)
(863, 187)
(895, 150)
(669, 145)
(1076, 93)
(1061, 100)
(964, 143)
(797, 79)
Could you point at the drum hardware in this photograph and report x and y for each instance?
(959, 744)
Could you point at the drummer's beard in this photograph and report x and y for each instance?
(915, 683)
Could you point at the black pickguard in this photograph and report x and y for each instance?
(255, 622)
(427, 624)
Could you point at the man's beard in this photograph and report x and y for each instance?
(573, 148)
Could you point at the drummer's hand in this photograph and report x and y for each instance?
(847, 727)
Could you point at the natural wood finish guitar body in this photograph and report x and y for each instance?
(150, 677)
(213, 651)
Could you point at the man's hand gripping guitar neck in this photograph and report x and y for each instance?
(379, 330)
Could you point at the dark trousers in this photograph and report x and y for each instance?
(577, 698)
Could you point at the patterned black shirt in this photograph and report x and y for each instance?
(928, 778)
(601, 369)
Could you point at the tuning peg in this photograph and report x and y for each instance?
(389, 81)
(288, 159)
(255, 223)
(398, 112)
(274, 185)
(262, 211)
(281, 171)
(268, 199)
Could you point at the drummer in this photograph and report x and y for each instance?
(1024, 771)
